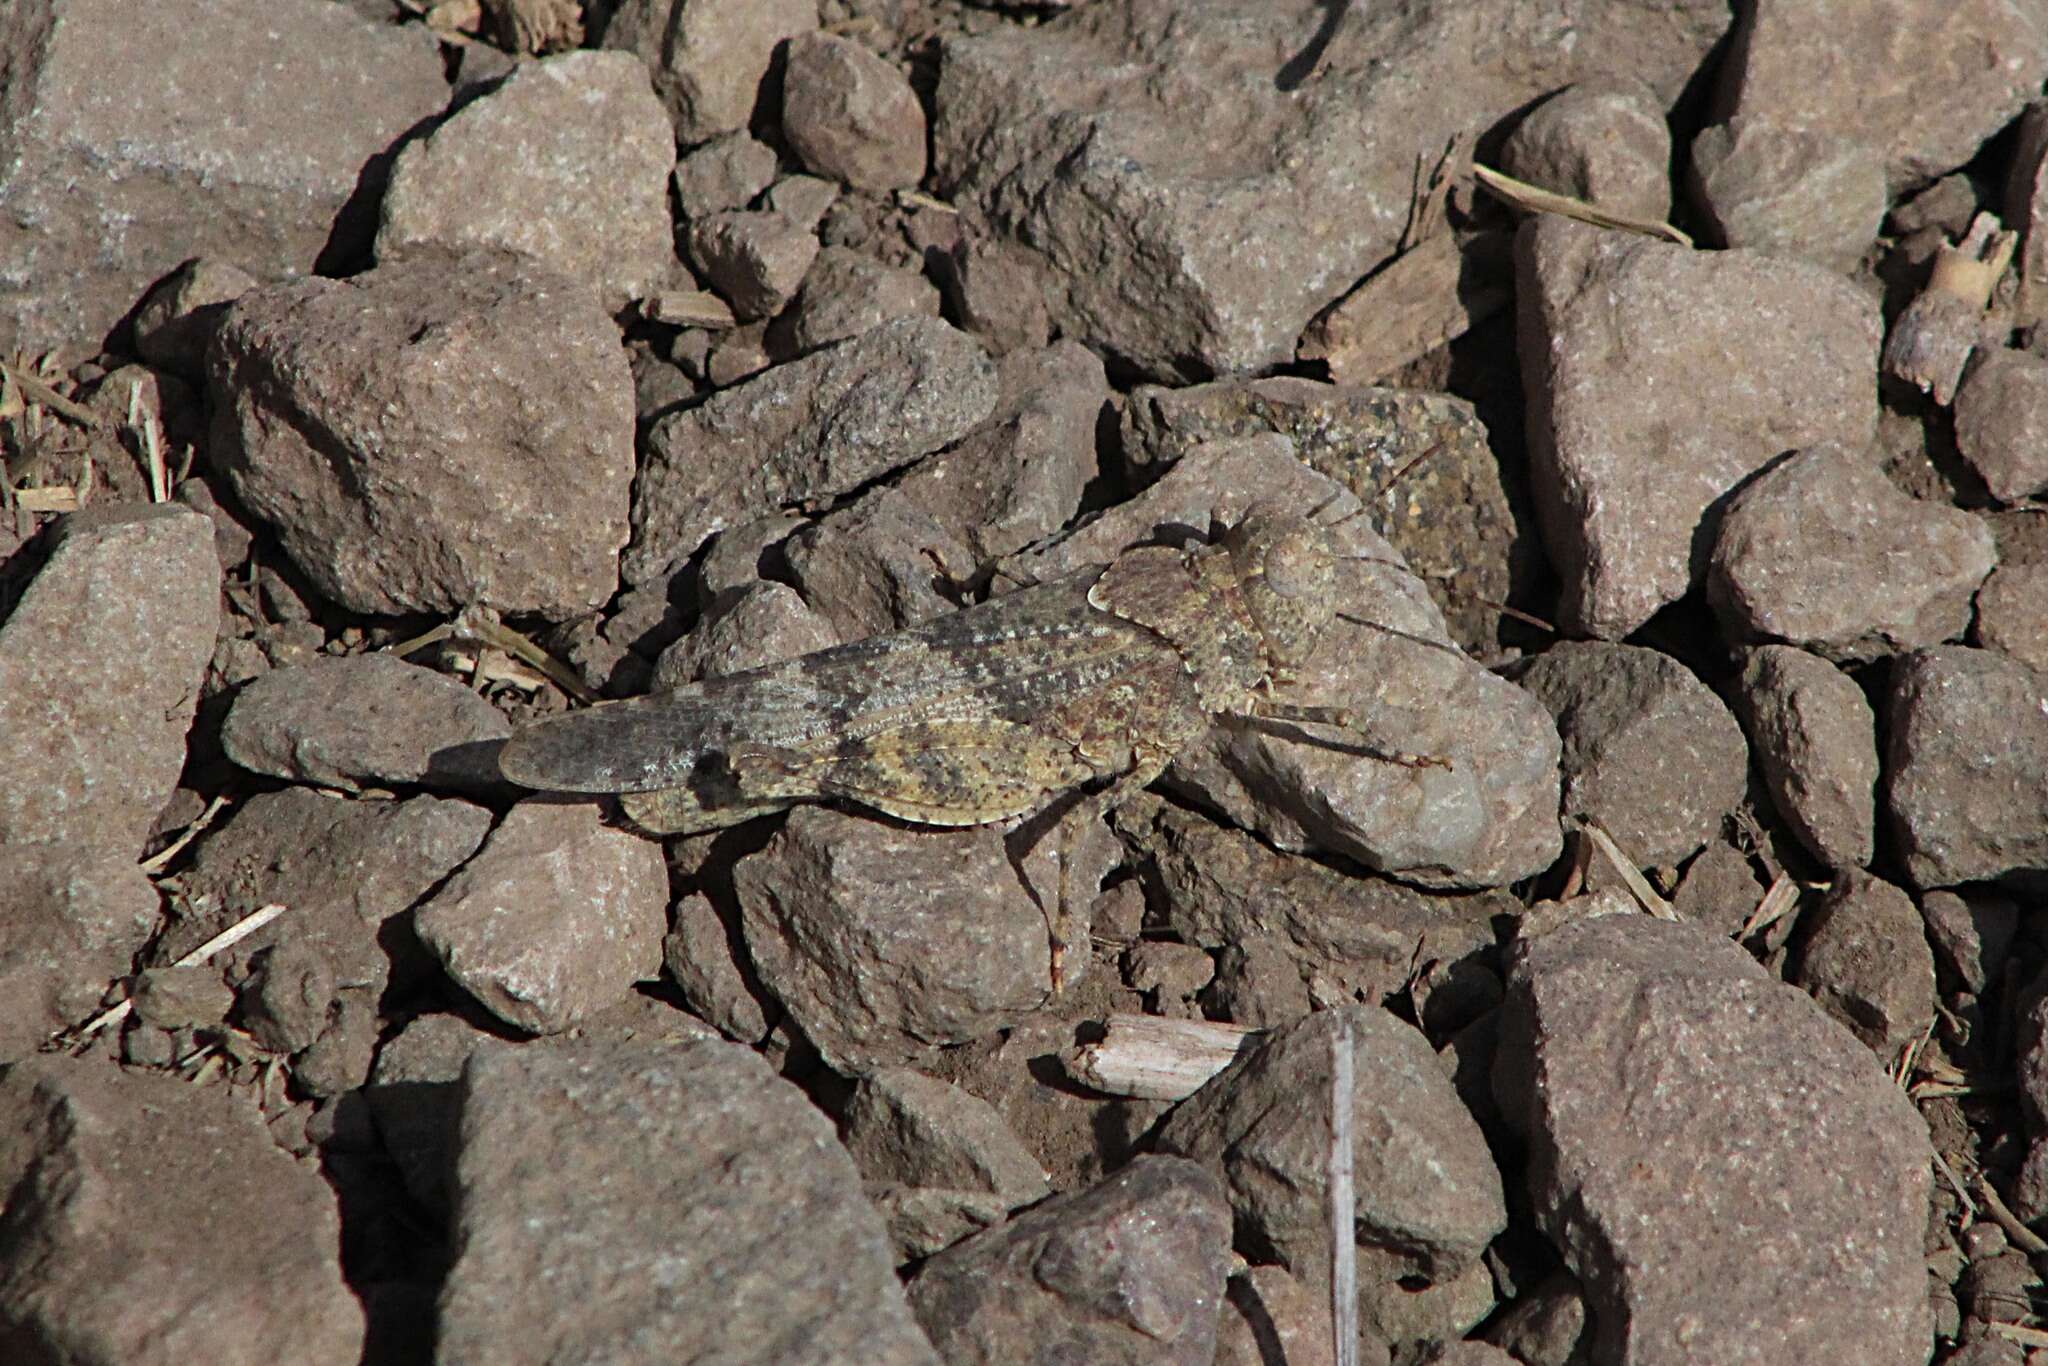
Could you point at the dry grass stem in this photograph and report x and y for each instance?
(1535, 199)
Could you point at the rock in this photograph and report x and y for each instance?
(72, 918)
(708, 59)
(1863, 73)
(881, 565)
(725, 173)
(345, 869)
(2002, 422)
(703, 958)
(617, 1200)
(1630, 460)
(175, 324)
(2012, 613)
(286, 998)
(414, 1101)
(1072, 139)
(846, 293)
(1651, 755)
(1790, 190)
(1428, 1194)
(554, 919)
(851, 116)
(101, 662)
(756, 261)
(998, 289)
(763, 624)
(1867, 961)
(1815, 738)
(1729, 1175)
(226, 1247)
(565, 162)
(1871, 570)
(432, 434)
(181, 997)
(1130, 1270)
(882, 941)
(1486, 820)
(1603, 141)
(1020, 475)
(1966, 761)
(1268, 1310)
(1972, 934)
(1719, 890)
(817, 427)
(105, 195)
(365, 720)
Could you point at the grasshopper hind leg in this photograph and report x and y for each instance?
(682, 811)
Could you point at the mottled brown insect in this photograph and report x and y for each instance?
(1081, 689)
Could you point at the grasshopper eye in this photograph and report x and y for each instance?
(1289, 575)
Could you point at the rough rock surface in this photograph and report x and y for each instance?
(708, 58)
(1815, 738)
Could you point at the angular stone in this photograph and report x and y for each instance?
(1632, 439)
(72, 918)
(1815, 738)
(1867, 961)
(176, 323)
(2002, 422)
(414, 1099)
(846, 293)
(851, 116)
(725, 173)
(2012, 613)
(1790, 191)
(1603, 141)
(1730, 1176)
(1130, 1270)
(434, 433)
(1651, 755)
(615, 1201)
(708, 59)
(1428, 1194)
(225, 1248)
(756, 261)
(817, 427)
(904, 1127)
(364, 720)
(553, 920)
(101, 662)
(1825, 552)
(703, 960)
(1966, 764)
(762, 624)
(129, 153)
(1973, 934)
(565, 162)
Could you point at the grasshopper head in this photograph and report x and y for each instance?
(1288, 575)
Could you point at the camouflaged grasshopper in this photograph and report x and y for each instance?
(1077, 692)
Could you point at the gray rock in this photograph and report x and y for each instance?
(176, 322)
(880, 565)
(1720, 889)
(101, 662)
(851, 116)
(414, 1100)
(1815, 738)
(708, 58)
(1428, 1196)
(882, 941)
(553, 920)
(1146, 151)
(1131, 1270)
(764, 623)
(756, 261)
(364, 720)
(1972, 933)
(227, 1247)
(104, 195)
(820, 426)
(1866, 960)
(1823, 551)
(1730, 1176)
(615, 1201)
(2002, 422)
(847, 292)
(2012, 613)
(432, 434)
(1604, 141)
(1632, 440)
(703, 959)
(72, 918)
(725, 173)
(1966, 763)
(1862, 74)
(1651, 755)
(1790, 191)
(1270, 1309)
(566, 162)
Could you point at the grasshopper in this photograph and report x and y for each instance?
(1062, 697)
